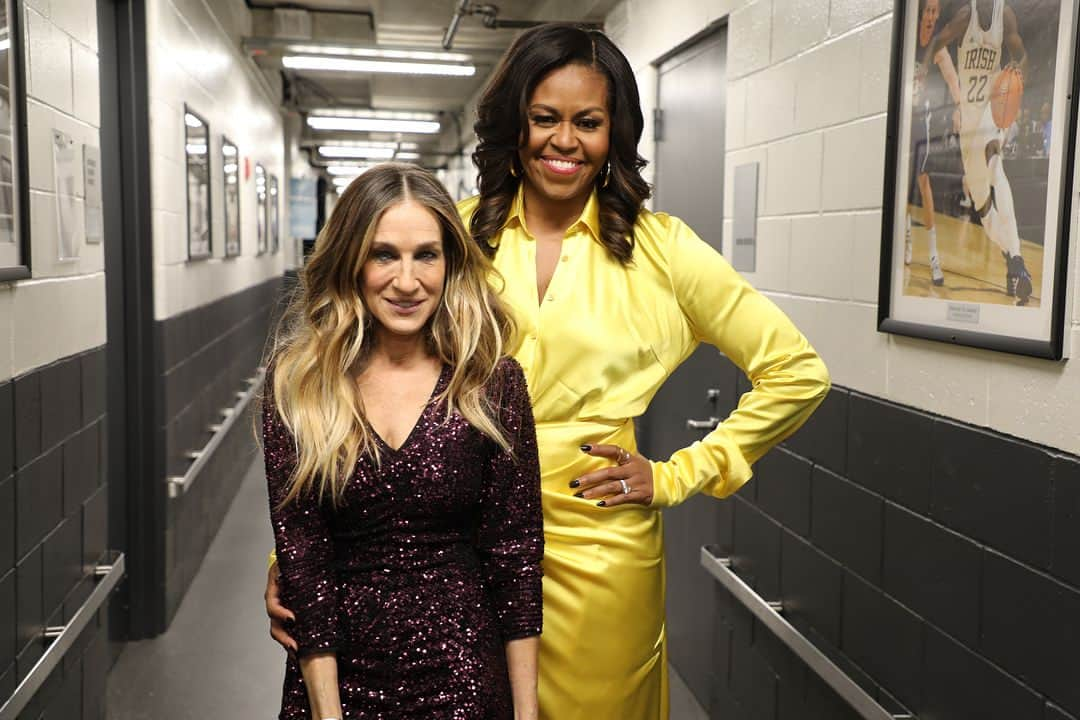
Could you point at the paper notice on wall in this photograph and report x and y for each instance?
(65, 166)
(95, 229)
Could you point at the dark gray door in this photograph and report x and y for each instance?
(689, 185)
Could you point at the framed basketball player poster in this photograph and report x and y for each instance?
(981, 131)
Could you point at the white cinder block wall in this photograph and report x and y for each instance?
(60, 311)
(807, 98)
(195, 59)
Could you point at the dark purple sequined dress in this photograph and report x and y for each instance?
(424, 572)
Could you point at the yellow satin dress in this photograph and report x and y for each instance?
(595, 350)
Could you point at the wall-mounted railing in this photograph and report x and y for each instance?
(61, 638)
(180, 484)
(769, 613)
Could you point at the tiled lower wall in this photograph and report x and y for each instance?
(207, 355)
(937, 562)
(53, 528)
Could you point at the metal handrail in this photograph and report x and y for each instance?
(769, 615)
(180, 484)
(63, 637)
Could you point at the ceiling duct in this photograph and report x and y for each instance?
(489, 15)
(293, 24)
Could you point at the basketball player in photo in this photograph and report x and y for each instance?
(928, 134)
(982, 27)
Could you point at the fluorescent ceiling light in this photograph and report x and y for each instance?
(230, 168)
(407, 156)
(195, 148)
(322, 122)
(228, 150)
(368, 153)
(379, 114)
(5, 44)
(350, 170)
(313, 62)
(380, 53)
(192, 121)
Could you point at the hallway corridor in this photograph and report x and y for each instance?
(217, 658)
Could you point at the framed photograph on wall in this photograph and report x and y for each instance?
(230, 166)
(14, 170)
(272, 220)
(978, 173)
(197, 163)
(260, 209)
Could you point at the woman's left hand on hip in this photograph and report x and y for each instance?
(628, 480)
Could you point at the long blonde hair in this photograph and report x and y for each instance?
(325, 335)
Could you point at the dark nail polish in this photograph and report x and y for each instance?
(574, 483)
(586, 448)
(601, 504)
(579, 494)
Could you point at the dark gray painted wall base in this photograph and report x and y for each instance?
(206, 355)
(53, 528)
(938, 562)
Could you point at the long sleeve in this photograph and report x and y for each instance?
(789, 379)
(302, 541)
(510, 532)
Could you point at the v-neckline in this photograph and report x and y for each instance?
(419, 420)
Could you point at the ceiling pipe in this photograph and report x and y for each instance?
(451, 29)
(490, 16)
(272, 5)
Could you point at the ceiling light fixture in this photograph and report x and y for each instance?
(376, 144)
(378, 114)
(407, 156)
(370, 124)
(338, 64)
(441, 57)
(348, 170)
(368, 153)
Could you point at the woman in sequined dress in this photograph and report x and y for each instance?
(402, 468)
(610, 299)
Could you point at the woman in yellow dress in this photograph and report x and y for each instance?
(610, 298)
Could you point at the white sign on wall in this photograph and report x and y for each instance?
(95, 229)
(64, 168)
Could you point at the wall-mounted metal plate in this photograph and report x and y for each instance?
(744, 225)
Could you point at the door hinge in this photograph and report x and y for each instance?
(658, 124)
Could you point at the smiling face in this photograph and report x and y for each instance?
(402, 278)
(931, 12)
(569, 133)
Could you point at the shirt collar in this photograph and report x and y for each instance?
(589, 220)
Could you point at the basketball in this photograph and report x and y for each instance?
(1005, 96)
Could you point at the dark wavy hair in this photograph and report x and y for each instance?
(501, 125)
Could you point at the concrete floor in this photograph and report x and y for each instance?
(217, 658)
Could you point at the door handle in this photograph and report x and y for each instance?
(709, 424)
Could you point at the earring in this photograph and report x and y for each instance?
(607, 174)
(513, 169)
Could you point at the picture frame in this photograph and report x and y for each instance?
(977, 211)
(273, 217)
(230, 170)
(197, 180)
(15, 230)
(261, 192)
